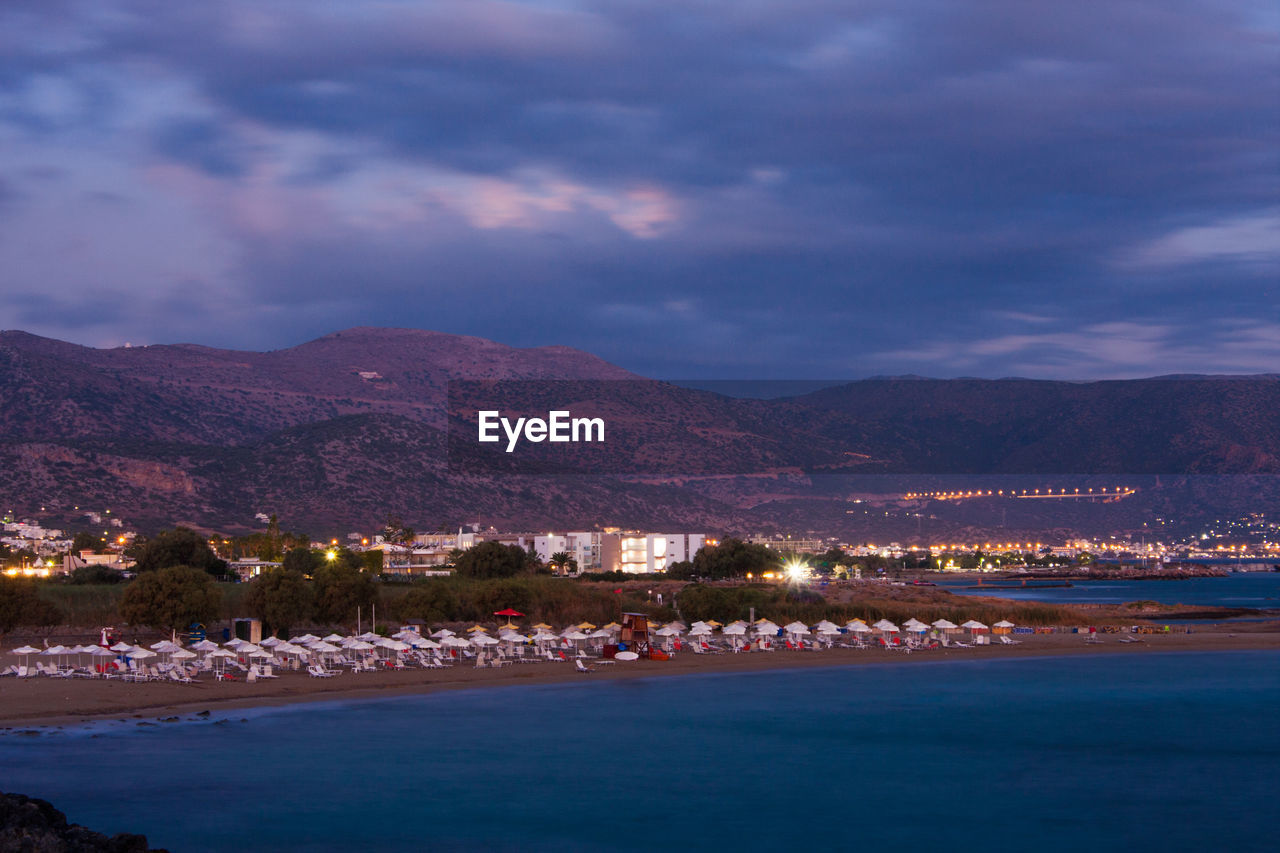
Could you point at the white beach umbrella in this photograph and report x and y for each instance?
(915, 626)
(1003, 623)
(859, 627)
(334, 638)
(945, 625)
(184, 654)
(305, 638)
(25, 652)
(442, 633)
(737, 629)
(204, 646)
(484, 640)
(765, 628)
(121, 647)
(884, 626)
(165, 646)
(973, 625)
(271, 642)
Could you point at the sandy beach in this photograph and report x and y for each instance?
(42, 701)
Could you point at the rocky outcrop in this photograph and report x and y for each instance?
(28, 825)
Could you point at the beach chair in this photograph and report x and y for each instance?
(1008, 641)
(317, 671)
(582, 667)
(9, 670)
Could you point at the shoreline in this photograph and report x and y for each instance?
(44, 703)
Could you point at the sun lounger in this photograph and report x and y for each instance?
(582, 667)
(1009, 641)
(317, 671)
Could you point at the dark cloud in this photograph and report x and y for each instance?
(694, 188)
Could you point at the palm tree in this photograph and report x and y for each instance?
(562, 562)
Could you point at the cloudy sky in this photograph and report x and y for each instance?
(743, 188)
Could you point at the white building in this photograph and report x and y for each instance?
(638, 553)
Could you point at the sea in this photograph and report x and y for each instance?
(1133, 752)
(1239, 589)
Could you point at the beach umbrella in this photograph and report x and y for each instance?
(542, 626)
(480, 629)
(204, 646)
(483, 640)
(857, 626)
(442, 633)
(1004, 626)
(121, 647)
(219, 657)
(334, 638)
(586, 626)
(26, 652)
(884, 626)
(826, 627)
(510, 613)
(668, 631)
(612, 626)
(765, 628)
(945, 625)
(973, 626)
(915, 626)
(271, 642)
(305, 638)
(184, 654)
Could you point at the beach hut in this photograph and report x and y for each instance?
(1004, 626)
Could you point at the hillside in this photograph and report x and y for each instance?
(343, 430)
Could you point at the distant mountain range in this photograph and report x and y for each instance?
(344, 430)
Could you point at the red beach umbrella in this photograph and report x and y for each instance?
(509, 613)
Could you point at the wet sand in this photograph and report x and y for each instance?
(43, 701)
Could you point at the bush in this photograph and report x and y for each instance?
(96, 574)
(493, 560)
(171, 598)
(180, 547)
(21, 605)
(281, 598)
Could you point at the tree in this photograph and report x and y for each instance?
(732, 558)
(563, 563)
(84, 541)
(96, 574)
(281, 598)
(492, 560)
(341, 587)
(180, 547)
(21, 604)
(302, 560)
(172, 597)
(431, 600)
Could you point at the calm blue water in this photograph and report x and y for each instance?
(1124, 752)
(1241, 589)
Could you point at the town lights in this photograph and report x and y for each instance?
(331, 555)
(796, 570)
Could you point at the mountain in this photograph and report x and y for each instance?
(344, 430)
(1195, 425)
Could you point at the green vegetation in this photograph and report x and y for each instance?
(95, 575)
(495, 560)
(281, 598)
(21, 605)
(541, 599)
(732, 558)
(179, 547)
(783, 604)
(172, 598)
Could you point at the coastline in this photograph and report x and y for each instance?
(47, 702)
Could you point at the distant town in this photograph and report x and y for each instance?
(1248, 543)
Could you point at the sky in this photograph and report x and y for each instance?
(689, 189)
